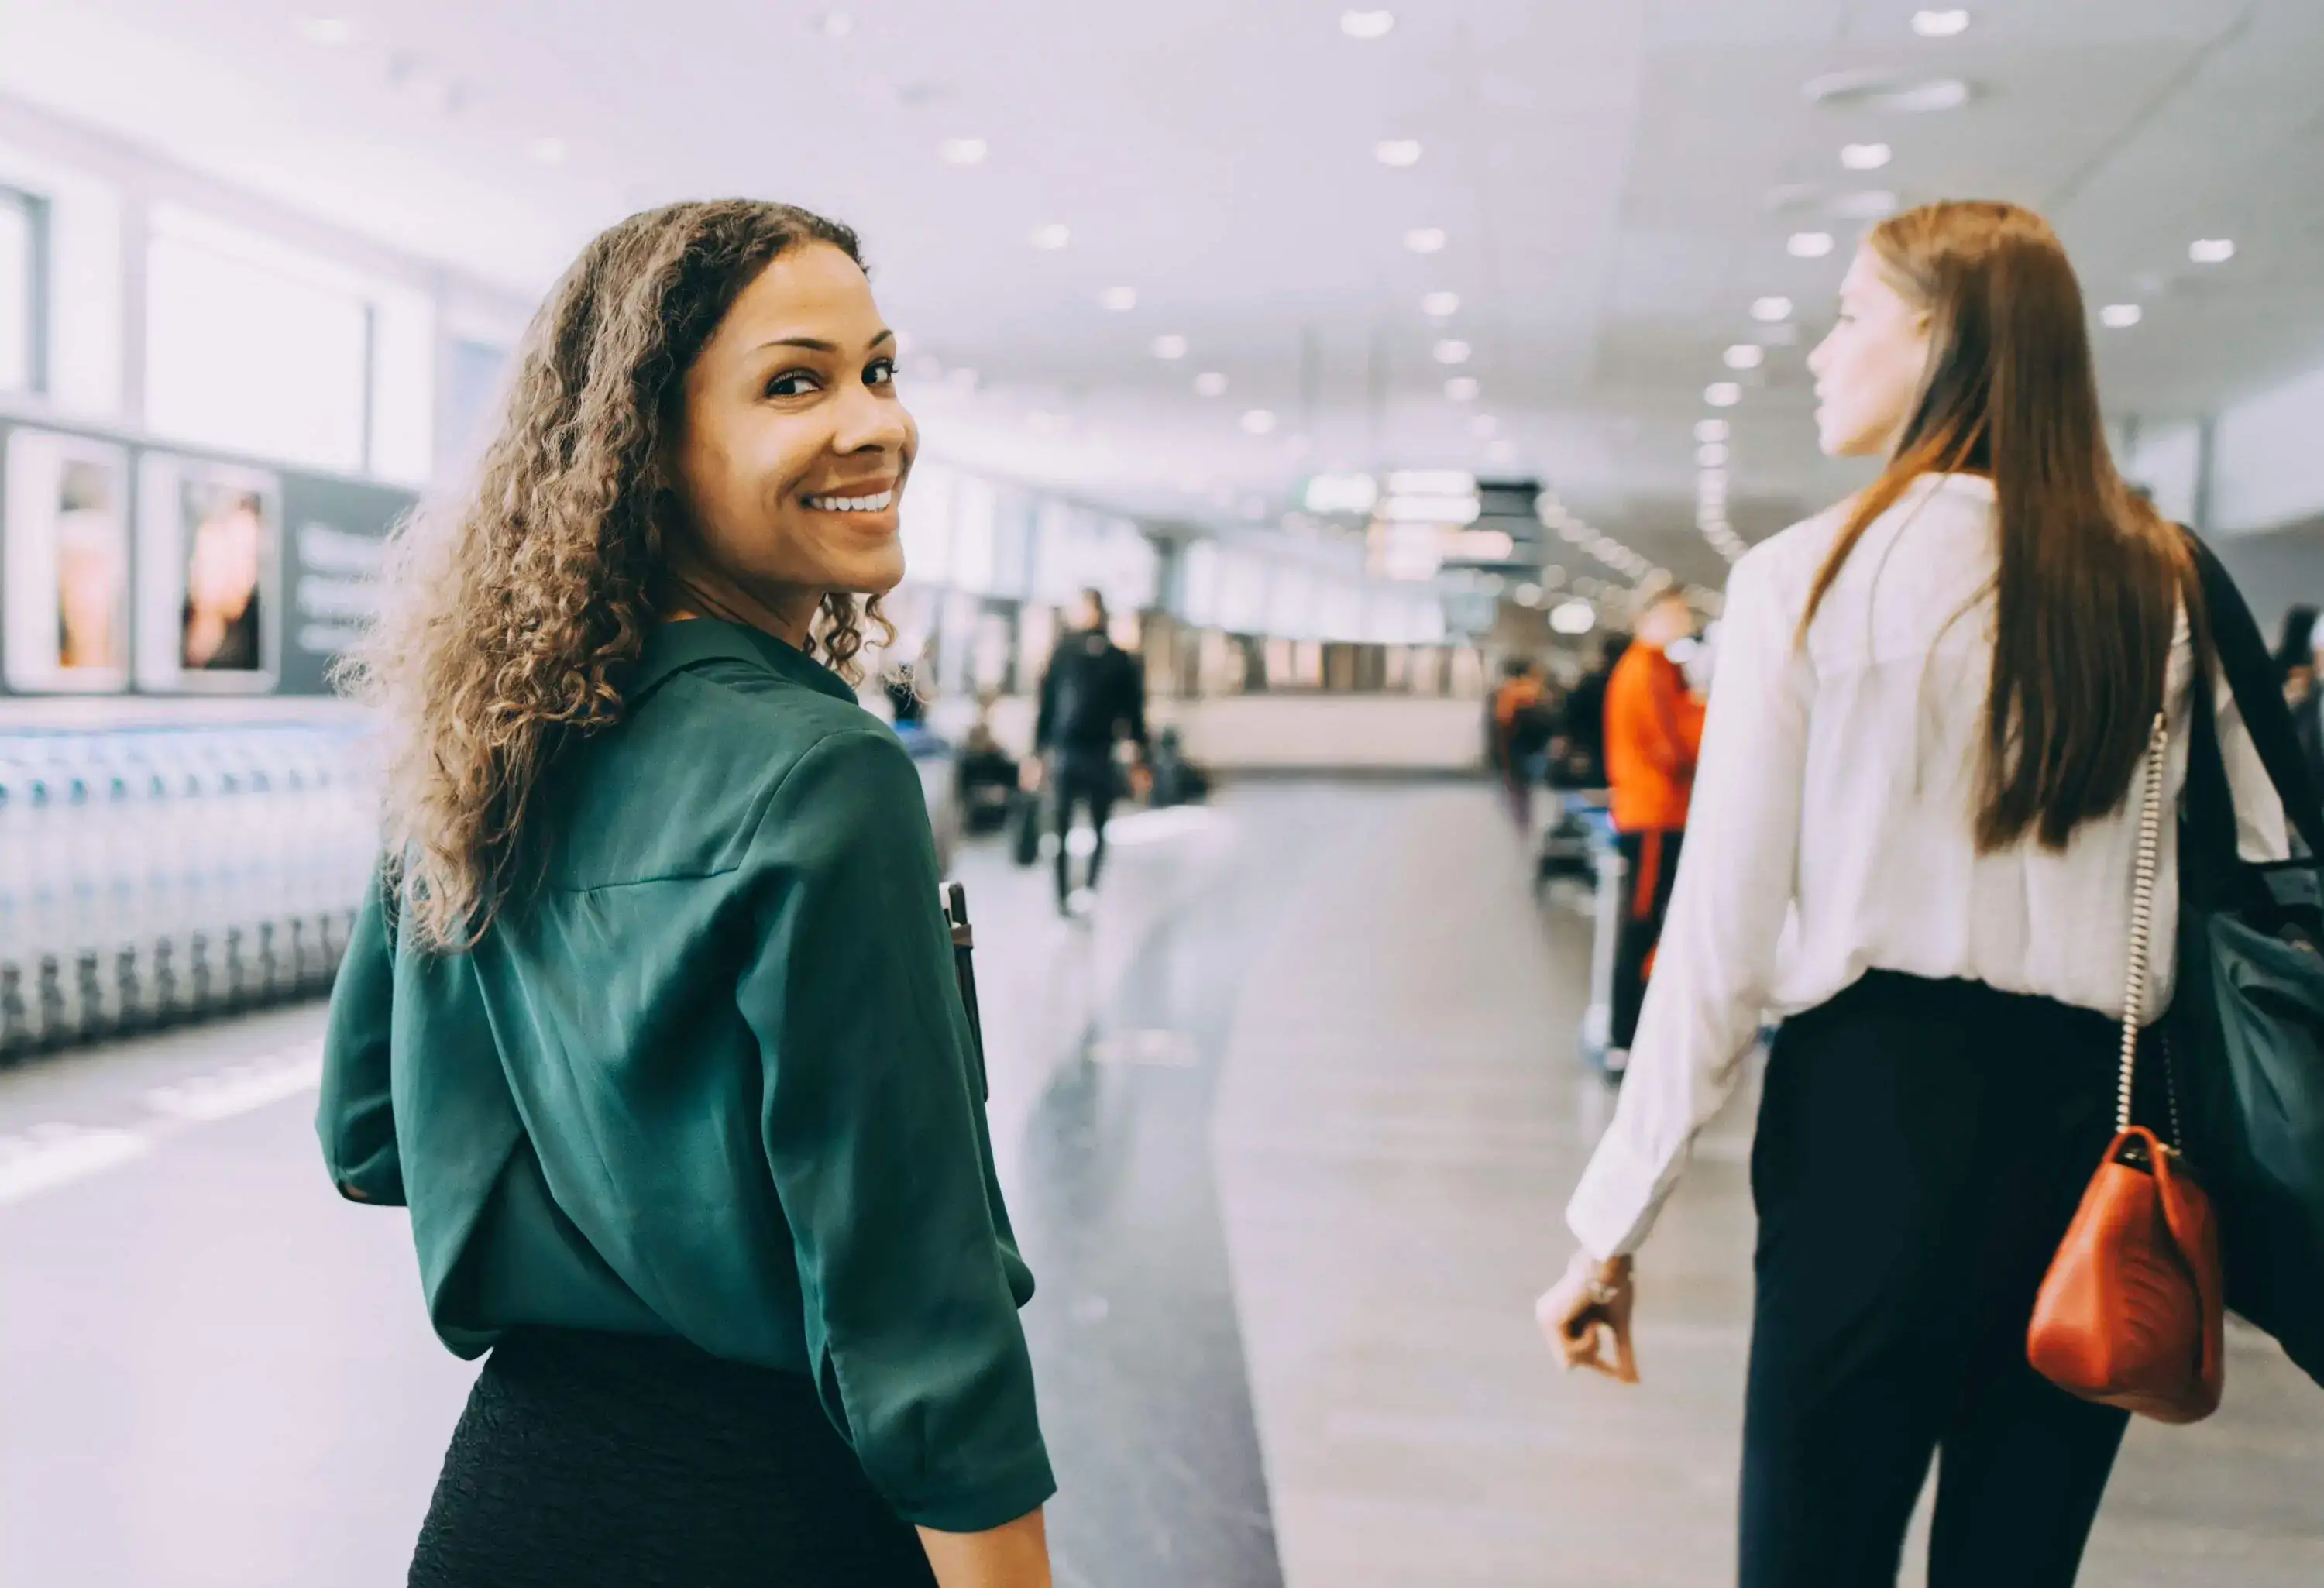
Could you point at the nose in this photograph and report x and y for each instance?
(1816, 358)
(870, 421)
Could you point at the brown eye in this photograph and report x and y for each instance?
(880, 371)
(793, 383)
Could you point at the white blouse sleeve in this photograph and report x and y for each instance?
(1717, 960)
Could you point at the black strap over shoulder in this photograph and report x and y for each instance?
(2250, 671)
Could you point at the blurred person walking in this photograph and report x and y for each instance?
(2296, 666)
(651, 1017)
(1092, 696)
(1525, 720)
(1584, 720)
(1930, 705)
(1653, 735)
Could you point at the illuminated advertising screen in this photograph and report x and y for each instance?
(209, 552)
(65, 525)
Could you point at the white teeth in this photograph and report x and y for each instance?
(852, 503)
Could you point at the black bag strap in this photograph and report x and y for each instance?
(2245, 662)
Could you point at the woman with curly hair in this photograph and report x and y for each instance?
(651, 1017)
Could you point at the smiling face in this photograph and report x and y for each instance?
(1868, 369)
(792, 450)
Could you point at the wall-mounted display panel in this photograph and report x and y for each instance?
(210, 576)
(64, 523)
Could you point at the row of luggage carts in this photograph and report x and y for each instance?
(154, 876)
(1578, 848)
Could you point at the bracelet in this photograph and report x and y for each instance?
(1600, 1291)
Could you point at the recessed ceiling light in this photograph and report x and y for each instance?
(1866, 156)
(1366, 25)
(1573, 619)
(1940, 25)
(1712, 454)
(1441, 305)
(834, 25)
(1462, 389)
(1398, 152)
(1528, 595)
(2211, 250)
(1425, 239)
(963, 151)
(1210, 383)
(1723, 393)
(1710, 429)
(1169, 347)
(1746, 355)
(1121, 299)
(1809, 245)
(330, 32)
(2121, 317)
(548, 151)
(1452, 351)
(1052, 236)
(1771, 311)
(1258, 422)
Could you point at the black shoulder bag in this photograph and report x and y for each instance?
(2247, 1022)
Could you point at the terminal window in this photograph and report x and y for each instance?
(251, 350)
(21, 309)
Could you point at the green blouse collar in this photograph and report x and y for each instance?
(672, 647)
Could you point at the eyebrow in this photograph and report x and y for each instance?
(817, 344)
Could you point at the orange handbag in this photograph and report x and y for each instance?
(2130, 1314)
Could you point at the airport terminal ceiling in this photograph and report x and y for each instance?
(1178, 260)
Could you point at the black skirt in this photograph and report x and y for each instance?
(630, 1461)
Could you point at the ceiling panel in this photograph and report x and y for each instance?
(1616, 179)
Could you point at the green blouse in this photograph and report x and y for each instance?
(712, 1078)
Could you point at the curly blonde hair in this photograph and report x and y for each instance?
(511, 611)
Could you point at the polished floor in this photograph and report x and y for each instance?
(1286, 1127)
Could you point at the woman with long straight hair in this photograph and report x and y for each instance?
(1913, 839)
(651, 1017)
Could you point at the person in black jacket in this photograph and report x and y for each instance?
(2295, 668)
(1092, 696)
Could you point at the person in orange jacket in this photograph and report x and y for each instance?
(1653, 733)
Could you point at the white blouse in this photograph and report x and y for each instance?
(1832, 830)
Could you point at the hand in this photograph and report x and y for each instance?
(1141, 780)
(1029, 773)
(1571, 1319)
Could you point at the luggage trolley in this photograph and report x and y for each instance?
(1611, 875)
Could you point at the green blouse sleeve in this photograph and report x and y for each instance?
(356, 1119)
(876, 1138)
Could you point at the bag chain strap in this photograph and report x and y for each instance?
(2142, 918)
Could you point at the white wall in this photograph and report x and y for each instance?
(103, 195)
(2267, 458)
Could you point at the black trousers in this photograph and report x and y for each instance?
(1084, 777)
(1922, 1148)
(1650, 865)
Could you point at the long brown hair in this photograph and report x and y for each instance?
(511, 611)
(2090, 580)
